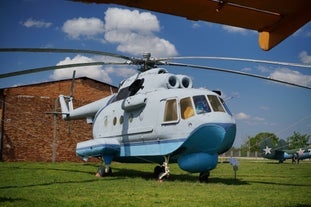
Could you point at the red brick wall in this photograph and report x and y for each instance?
(29, 131)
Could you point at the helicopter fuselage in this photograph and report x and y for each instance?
(145, 123)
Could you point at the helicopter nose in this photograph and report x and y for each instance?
(201, 149)
(228, 138)
(210, 138)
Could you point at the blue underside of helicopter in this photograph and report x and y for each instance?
(202, 147)
(196, 153)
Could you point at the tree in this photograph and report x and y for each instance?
(254, 143)
(282, 145)
(298, 140)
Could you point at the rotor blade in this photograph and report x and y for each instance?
(239, 59)
(72, 83)
(41, 69)
(64, 50)
(234, 72)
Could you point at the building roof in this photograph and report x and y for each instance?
(56, 81)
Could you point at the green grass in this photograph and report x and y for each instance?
(259, 183)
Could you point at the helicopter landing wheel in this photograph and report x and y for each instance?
(162, 171)
(104, 171)
(157, 171)
(160, 174)
(203, 177)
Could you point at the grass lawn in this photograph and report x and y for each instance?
(259, 183)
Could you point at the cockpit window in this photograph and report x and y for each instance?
(136, 86)
(170, 112)
(226, 107)
(186, 108)
(201, 105)
(130, 90)
(215, 103)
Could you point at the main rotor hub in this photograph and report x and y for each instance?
(146, 55)
(147, 63)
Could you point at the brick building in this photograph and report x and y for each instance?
(29, 133)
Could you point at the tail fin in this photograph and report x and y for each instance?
(67, 105)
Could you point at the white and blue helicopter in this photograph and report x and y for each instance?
(155, 116)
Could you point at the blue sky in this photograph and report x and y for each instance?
(258, 105)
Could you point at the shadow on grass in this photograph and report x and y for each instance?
(130, 173)
(281, 184)
(120, 173)
(49, 183)
(52, 168)
(9, 199)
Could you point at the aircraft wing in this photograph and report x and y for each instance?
(275, 20)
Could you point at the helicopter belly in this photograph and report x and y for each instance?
(151, 148)
(97, 147)
(198, 162)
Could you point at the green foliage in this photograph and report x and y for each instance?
(298, 140)
(282, 145)
(253, 144)
(259, 183)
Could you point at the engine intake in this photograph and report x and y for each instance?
(172, 81)
(184, 81)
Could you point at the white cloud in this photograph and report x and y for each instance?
(121, 71)
(264, 108)
(126, 20)
(195, 25)
(36, 23)
(291, 76)
(134, 33)
(305, 58)
(97, 72)
(94, 72)
(247, 69)
(232, 29)
(83, 27)
(250, 120)
(241, 116)
(264, 69)
(257, 118)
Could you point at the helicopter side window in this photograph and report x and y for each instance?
(186, 108)
(170, 111)
(216, 105)
(201, 105)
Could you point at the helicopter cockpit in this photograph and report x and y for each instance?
(195, 105)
